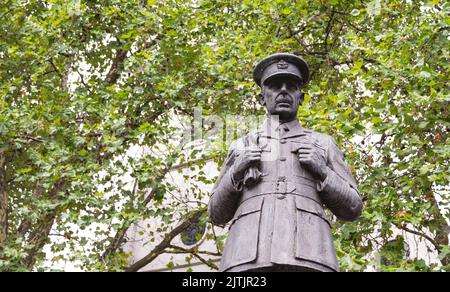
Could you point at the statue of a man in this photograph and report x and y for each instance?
(275, 181)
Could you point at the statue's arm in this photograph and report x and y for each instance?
(226, 193)
(339, 191)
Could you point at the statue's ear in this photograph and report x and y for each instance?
(302, 98)
(261, 99)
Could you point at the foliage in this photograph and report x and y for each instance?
(83, 82)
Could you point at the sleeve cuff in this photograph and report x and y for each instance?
(321, 185)
(235, 186)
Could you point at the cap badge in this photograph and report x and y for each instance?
(282, 64)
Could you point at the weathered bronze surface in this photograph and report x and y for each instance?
(275, 181)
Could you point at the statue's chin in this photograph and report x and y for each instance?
(284, 114)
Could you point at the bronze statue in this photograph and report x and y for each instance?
(275, 181)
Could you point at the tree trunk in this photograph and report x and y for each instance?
(3, 202)
(441, 236)
(39, 236)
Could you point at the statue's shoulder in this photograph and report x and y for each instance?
(322, 138)
(244, 141)
(237, 144)
(327, 142)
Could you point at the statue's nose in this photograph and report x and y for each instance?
(283, 86)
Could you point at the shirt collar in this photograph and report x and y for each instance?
(272, 127)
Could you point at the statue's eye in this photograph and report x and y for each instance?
(292, 86)
(274, 85)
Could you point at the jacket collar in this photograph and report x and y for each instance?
(274, 129)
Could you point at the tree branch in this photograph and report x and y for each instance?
(192, 250)
(116, 67)
(25, 225)
(353, 26)
(120, 234)
(206, 262)
(3, 201)
(165, 243)
(39, 236)
(65, 75)
(328, 30)
(421, 234)
(82, 79)
(196, 254)
(119, 60)
(55, 68)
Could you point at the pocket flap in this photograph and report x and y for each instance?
(247, 207)
(310, 206)
(295, 145)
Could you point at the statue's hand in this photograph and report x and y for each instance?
(313, 159)
(249, 157)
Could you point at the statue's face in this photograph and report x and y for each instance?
(282, 96)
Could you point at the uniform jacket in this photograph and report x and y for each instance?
(281, 219)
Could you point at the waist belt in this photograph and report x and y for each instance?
(302, 188)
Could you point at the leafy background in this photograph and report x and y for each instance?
(83, 82)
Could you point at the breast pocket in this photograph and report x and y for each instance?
(297, 168)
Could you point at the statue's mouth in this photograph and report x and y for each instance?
(284, 104)
(283, 100)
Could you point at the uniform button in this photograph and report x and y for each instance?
(281, 197)
(282, 158)
(283, 141)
